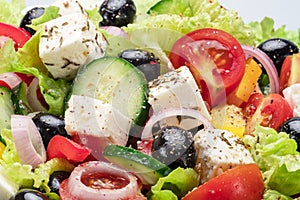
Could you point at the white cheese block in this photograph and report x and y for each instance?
(73, 6)
(292, 96)
(96, 124)
(176, 89)
(91, 116)
(67, 7)
(68, 43)
(217, 151)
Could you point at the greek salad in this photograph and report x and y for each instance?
(159, 99)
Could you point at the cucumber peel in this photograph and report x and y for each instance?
(147, 168)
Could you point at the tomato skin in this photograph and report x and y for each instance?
(253, 103)
(269, 111)
(285, 72)
(276, 110)
(18, 35)
(240, 182)
(62, 147)
(222, 49)
(145, 146)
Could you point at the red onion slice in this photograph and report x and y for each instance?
(28, 141)
(171, 112)
(81, 191)
(33, 99)
(115, 31)
(267, 63)
(11, 79)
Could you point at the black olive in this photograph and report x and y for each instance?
(31, 14)
(49, 125)
(56, 178)
(29, 194)
(117, 12)
(144, 61)
(292, 127)
(173, 146)
(278, 49)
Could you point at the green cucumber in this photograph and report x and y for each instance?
(147, 168)
(6, 107)
(19, 99)
(117, 82)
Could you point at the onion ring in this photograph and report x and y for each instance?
(165, 113)
(80, 191)
(28, 141)
(267, 63)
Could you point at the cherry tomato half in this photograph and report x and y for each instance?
(270, 111)
(290, 71)
(285, 73)
(241, 182)
(210, 54)
(18, 35)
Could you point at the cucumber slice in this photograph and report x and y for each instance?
(117, 82)
(147, 168)
(6, 107)
(19, 99)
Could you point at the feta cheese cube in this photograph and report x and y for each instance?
(91, 116)
(68, 43)
(217, 151)
(176, 89)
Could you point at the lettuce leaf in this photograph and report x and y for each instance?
(54, 91)
(51, 12)
(265, 30)
(204, 14)
(26, 176)
(10, 11)
(273, 194)
(174, 186)
(276, 155)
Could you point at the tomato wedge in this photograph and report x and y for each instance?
(18, 35)
(241, 182)
(270, 111)
(290, 71)
(215, 58)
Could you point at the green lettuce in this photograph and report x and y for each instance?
(174, 186)
(265, 30)
(276, 155)
(51, 12)
(26, 176)
(11, 11)
(195, 15)
(273, 194)
(54, 91)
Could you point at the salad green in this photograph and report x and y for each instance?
(275, 153)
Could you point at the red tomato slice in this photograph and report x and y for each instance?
(62, 147)
(145, 146)
(241, 182)
(18, 35)
(274, 111)
(285, 72)
(270, 111)
(253, 103)
(290, 71)
(210, 54)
